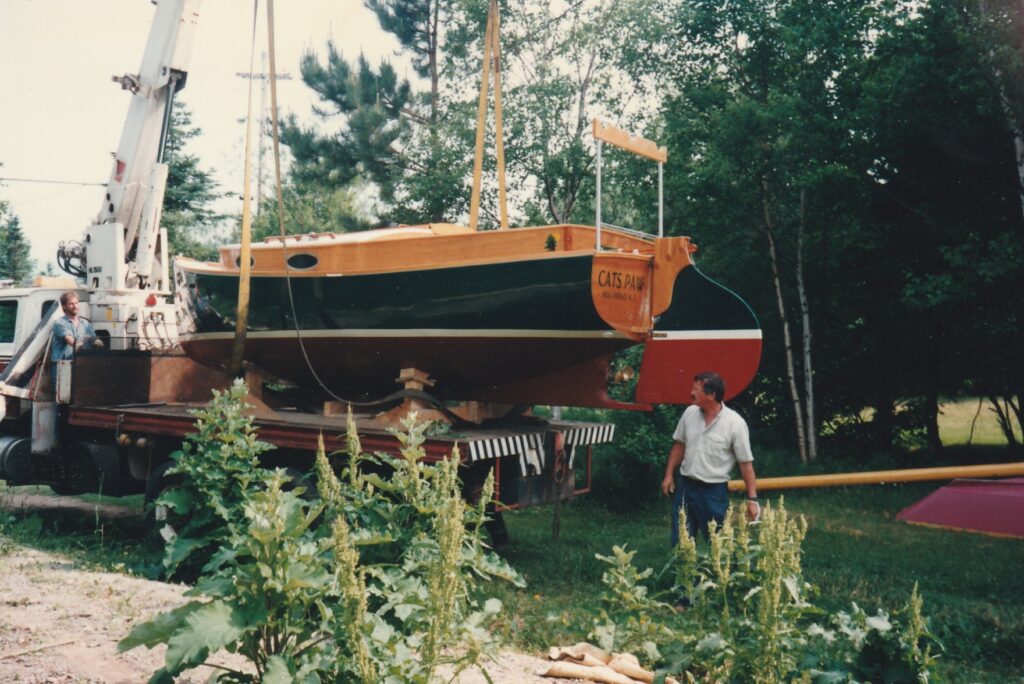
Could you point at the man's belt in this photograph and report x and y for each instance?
(700, 483)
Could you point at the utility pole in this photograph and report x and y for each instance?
(264, 78)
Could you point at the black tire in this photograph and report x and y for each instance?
(495, 527)
(159, 480)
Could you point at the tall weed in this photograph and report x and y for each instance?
(371, 579)
(740, 611)
(214, 476)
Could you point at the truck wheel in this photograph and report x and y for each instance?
(496, 529)
(76, 474)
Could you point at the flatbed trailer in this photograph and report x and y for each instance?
(530, 457)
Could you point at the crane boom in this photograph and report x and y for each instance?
(134, 193)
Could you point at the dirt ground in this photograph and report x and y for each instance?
(60, 624)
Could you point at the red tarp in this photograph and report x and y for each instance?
(989, 506)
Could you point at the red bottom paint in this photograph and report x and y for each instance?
(666, 374)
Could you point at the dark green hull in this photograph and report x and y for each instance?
(518, 332)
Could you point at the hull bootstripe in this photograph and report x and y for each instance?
(411, 332)
(754, 334)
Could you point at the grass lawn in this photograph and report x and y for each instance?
(855, 551)
(957, 417)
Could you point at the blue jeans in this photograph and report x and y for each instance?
(704, 501)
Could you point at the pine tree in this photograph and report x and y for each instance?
(191, 191)
(15, 260)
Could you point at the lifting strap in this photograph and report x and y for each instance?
(279, 196)
(492, 50)
(244, 257)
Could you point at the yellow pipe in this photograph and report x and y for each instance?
(882, 477)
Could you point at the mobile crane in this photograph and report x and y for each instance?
(109, 419)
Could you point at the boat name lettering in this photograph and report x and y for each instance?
(619, 280)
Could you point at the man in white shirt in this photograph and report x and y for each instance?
(709, 440)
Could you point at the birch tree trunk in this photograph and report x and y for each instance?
(805, 319)
(798, 413)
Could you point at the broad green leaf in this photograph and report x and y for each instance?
(218, 586)
(179, 549)
(158, 630)
(179, 499)
(404, 610)
(161, 676)
(206, 630)
(380, 483)
(277, 671)
(382, 632)
(712, 642)
(879, 622)
(224, 554)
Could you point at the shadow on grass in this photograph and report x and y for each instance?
(96, 532)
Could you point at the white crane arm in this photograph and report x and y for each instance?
(134, 193)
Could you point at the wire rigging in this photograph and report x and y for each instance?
(11, 179)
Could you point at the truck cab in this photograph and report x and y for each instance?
(21, 310)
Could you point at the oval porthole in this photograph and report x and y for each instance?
(302, 261)
(238, 261)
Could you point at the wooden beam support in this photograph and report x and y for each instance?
(635, 144)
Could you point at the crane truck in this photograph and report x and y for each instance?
(108, 419)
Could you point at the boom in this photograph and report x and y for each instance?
(125, 249)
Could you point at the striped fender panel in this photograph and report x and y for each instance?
(529, 449)
(586, 436)
(602, 433)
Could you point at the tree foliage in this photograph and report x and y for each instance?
(311, 209)
(191, 191)
(15, 252)
(872, 133)
(381, 132)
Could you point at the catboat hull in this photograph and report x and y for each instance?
(540, 326)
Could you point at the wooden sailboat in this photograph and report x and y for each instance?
(524, 316)
(531, 315)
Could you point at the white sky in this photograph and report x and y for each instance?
(61, 115)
